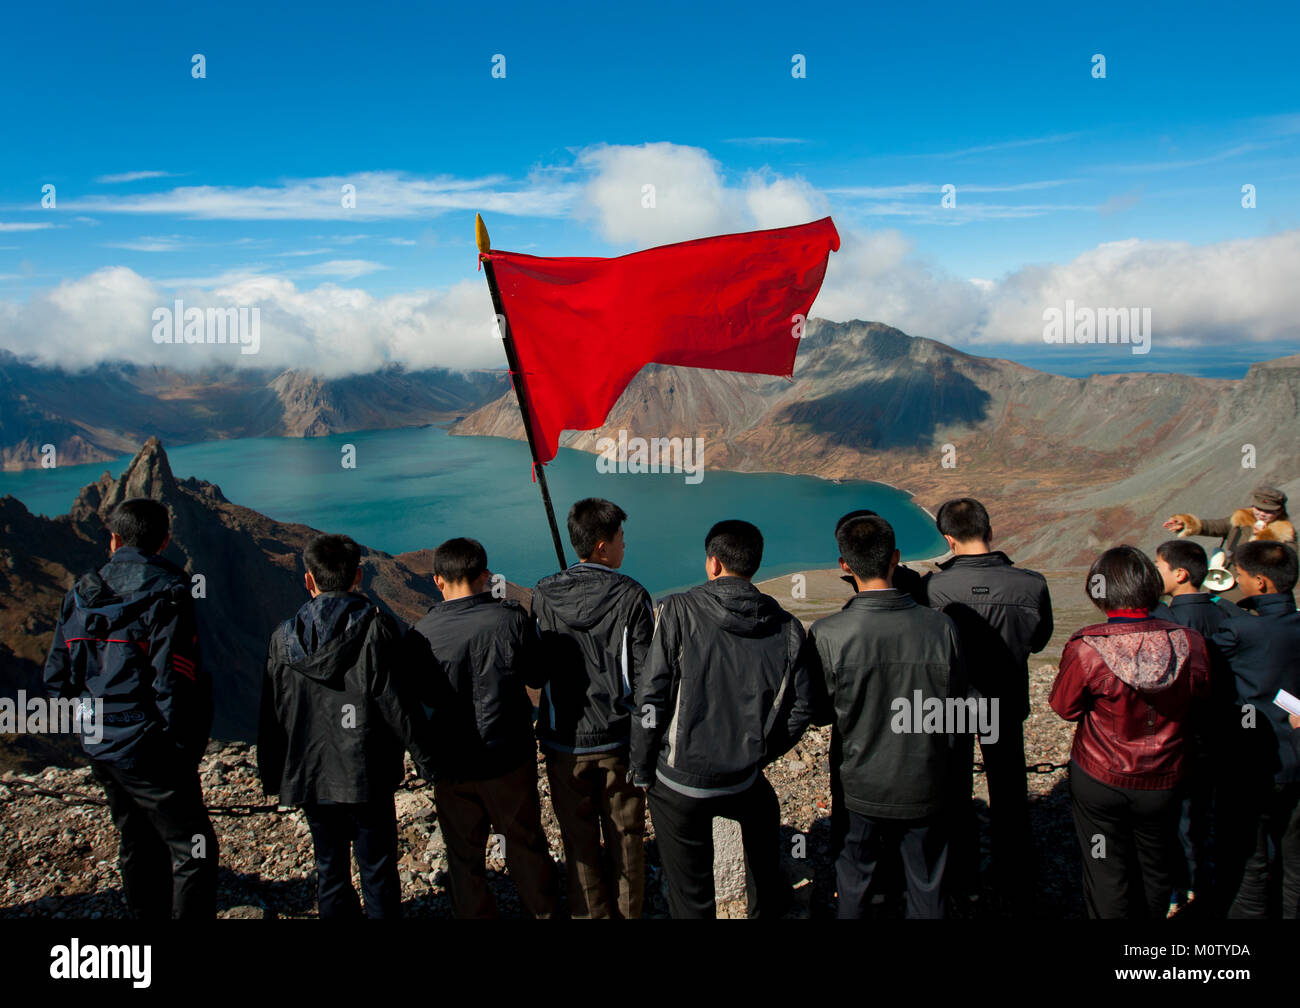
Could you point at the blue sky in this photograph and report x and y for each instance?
(219, 184)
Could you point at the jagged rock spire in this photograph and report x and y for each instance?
(148, 475)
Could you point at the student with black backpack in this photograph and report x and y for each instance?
(127, 641)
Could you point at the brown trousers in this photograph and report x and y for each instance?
(509, 803)
(591, 797)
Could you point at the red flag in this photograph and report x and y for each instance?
(583, 327)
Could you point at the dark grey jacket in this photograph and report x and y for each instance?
(873, 657)
(725, 690)
(1003, 615)
(595, 626)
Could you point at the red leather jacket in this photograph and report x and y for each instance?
(1130, 687)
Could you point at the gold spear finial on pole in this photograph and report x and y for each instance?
(517, 380)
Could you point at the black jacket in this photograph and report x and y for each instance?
(482, 653)
(871, 658)
(127, 637)
(906, 580)
(595, 625)
(1003, 615)
(1198, 611)
(1215, 719)
(338, 707)
(725, 690)
(1261, 647)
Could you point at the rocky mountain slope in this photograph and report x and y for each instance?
(1066, 465)
(100, 414)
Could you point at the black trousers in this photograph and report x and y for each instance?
(167, 851)
(1194, 870)
(1128, 840)
(962, 830)
(1260, 843)
(684, 834)
(1014, 857)
(370, 830)
(871, 841)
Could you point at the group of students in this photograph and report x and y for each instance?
(1180, 735)
(677, 707)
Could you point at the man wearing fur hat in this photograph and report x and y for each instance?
(1266, 519)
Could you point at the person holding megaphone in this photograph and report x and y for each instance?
(1266, 519)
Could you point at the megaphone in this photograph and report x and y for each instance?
(1218, 578)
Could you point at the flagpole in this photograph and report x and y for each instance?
(517, 379)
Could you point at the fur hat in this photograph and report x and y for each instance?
(1269, 498)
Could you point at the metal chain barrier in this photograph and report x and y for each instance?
(1033, 768)
(76, 798)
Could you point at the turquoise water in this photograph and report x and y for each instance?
(417, 487)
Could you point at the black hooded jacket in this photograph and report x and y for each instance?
(726, 688)
(483, 651)
(127, 639)
(338, 710)
(595, 626)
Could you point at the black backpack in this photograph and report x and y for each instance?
(109, 640)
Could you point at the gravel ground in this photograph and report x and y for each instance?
(59, 860)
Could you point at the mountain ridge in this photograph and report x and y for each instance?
(1095, 458)
(101, 414)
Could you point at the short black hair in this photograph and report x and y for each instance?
(333, 561)
(141, 522)
(1124, 578)
(965, 519)
(459, 560)
(593, 520)
(1183, 554)
(860, 513)
(867, 545)
(737, 545)
(1271, 560)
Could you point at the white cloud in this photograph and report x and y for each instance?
(134, 176)
(159, 243)
(1005, 145)
(344, 269)
(1242, 290)
(1239, 290)
(24, 226)
(877, 276)
(379, 195)
(691, 197)
(765, 141)
(107, 316)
